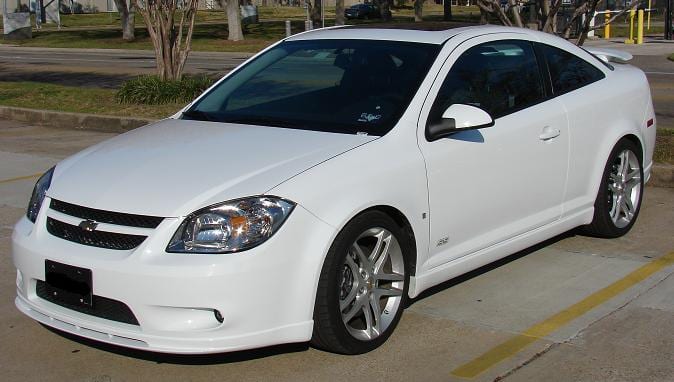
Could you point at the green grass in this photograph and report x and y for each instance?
(671, 57)
(210, 33)
(664, 146)
(207, 37)
(76, 99)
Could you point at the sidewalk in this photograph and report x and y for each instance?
(651, 46)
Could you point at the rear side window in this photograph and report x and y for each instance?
(567, 71)
(499, 77)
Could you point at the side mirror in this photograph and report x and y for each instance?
(458, 117)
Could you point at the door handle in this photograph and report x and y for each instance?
(549, 133)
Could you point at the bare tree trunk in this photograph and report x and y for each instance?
(550, 15)
(234, 21)
(581, 9)
(339, 12)
(494, 8)
(315, 14)
(515, 12)
(171, 45)
(544, 5)
(483, 17)
(385, 8)
(586, 23)
(447, 10)
(127, 17)
(418, 10)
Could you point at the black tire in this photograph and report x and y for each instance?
(330, 331)
(602, 224)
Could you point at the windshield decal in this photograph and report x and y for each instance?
(367, 117)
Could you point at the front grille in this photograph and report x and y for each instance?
(101, 239)
(102, 216)
(102, 307)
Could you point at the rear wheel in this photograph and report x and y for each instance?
(619, 198)
(363, 286)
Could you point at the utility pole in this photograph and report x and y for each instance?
(668, 20)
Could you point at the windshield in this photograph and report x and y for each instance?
(344, 86)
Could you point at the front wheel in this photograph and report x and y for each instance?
(363, 285)
(619, 198)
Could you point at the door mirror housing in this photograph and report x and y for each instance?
(458, 117)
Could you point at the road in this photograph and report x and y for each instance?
(573, 308)
(106, 68)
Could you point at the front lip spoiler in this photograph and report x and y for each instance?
(292, 333)
(64, 326)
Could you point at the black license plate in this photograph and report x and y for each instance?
(69, 284)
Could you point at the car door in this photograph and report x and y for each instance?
(489, 185)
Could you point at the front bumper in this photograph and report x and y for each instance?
(265, 294)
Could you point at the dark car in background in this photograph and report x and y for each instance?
(362, 11)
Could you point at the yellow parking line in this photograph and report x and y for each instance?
(19, 178)
(514, 345)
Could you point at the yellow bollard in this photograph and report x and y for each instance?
(631, 39)
(607, 26)
(640, 27)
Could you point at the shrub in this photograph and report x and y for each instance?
(150, 90)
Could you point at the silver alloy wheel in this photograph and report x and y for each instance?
(624, 188)
(372, 283)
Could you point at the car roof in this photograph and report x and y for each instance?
(429, 33)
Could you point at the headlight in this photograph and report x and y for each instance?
(231, 226)
(39, 192)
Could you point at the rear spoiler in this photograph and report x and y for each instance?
(610, 55)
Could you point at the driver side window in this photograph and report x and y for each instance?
(499, 77)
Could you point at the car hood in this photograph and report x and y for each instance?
(174, 167)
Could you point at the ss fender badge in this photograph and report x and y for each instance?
(88, 225)
(442, 241)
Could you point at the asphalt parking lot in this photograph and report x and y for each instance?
(571, 309)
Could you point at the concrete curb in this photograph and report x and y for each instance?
(63, 120)
(662, 175)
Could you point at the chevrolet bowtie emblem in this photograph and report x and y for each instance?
(88, 225)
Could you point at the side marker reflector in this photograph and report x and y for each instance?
(649, 123)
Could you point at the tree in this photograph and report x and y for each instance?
(544, 13)
(315, 13)
(339, 12)
(231, 7)
(418, 10)
(385, 6)
(235, 33)
(447, 10)
(127, 13)
(171, 42)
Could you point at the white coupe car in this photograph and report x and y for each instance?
(316, 189)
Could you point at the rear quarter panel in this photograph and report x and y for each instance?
(601, 114)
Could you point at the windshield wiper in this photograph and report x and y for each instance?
(199, 115)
